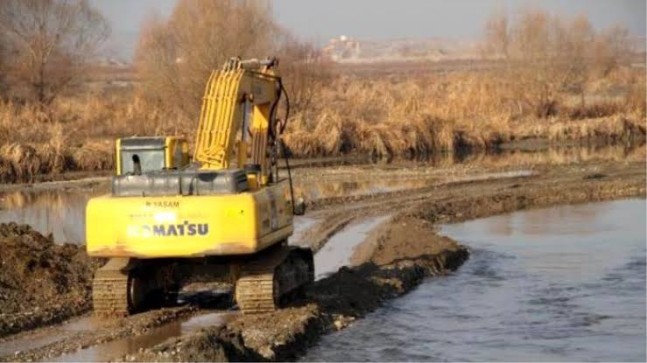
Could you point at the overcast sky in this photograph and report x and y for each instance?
(319, 20)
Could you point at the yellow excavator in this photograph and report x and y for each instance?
(227, 214)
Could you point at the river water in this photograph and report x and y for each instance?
(61, 211)
(558, 284)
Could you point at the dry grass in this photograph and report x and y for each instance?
(464, 110)
(406, 116)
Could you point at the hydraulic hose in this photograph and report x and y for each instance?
(283, 148)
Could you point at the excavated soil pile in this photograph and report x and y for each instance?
(40, 282)
(402, 238)
(332, 304)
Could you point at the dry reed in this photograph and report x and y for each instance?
(408, 116)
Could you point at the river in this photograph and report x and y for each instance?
(559, 284)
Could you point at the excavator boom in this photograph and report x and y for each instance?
(239, 102)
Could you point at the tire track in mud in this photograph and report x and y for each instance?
(333, 302)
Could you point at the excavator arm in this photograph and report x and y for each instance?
(238, 110)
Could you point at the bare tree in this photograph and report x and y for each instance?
(306, 71)
(49, 42)
(497, 36)
(546, 55)
(3, 70)
(175, 57)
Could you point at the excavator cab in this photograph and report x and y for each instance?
(137, 155)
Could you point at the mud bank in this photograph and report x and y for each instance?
(332, 304)
(395, 259)
(91, 332)
(591, 187)
(40, 282)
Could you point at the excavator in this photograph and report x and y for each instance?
(224, 214)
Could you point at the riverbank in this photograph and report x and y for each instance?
(562, 283)
(397, 260)
(395, 257)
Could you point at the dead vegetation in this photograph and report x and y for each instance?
(543, 77)
(46, 46)
(417, 117)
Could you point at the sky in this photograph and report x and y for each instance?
(320, 20)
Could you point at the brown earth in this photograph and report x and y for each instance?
(401, 240)
(332, 304)
(394, 259)
(397, 256)
(40, 282)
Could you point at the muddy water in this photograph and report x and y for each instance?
(338, 251)
(116, 348)
(131, 345)
(559, 284)
(59, 212)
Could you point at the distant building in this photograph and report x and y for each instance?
(341, 48)
(344, 49)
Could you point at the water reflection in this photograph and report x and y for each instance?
(542, 154)
(313, 190)
(134, 344)
(362, 178)
(62, 212)
(338, 251)
(572, 290)
(57, 212)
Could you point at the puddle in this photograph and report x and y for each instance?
(338, 251)
(48, 336)
(301, 224)
(131, 345)
(489, 176)
(62, 212)
(352, 181)
(102, 352)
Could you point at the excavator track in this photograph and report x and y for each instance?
(126, 285)
(110, 288)
(271, 276)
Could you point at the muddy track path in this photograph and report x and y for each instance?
(394, 257)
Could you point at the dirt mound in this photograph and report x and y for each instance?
(402, 238)
(40, 282)
(331, 304)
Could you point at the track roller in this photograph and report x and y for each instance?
(271, 277)
(124, 286)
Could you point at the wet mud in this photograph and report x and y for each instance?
(396, 255)
(331, 304)
(40, 282)
(90, 332)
